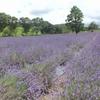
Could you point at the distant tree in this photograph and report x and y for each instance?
(3, 21)
(68, 27)
(19, 31)
(93, 26)
(74, 19)
(12, 26)
(85, 28)
(45, 27)
(6, 31)
(13, 22)
(37, 23)
(25, 22)
(58, 30)
(63, 28)
(51, 29)
(31, 31)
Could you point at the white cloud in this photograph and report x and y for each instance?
(54, 11)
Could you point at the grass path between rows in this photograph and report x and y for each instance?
(57, 87)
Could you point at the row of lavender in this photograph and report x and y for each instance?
(84, 73)
(45, 53)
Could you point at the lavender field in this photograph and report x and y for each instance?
(50, 67)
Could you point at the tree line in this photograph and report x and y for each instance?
(12, 26)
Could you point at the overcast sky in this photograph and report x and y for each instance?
(54, 11)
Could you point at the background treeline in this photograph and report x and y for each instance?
(12, 26)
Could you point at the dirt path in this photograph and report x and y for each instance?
(56, 89)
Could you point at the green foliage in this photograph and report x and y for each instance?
(46, 26)
(12, 26)
(57, 29)
(39, 33)
(9, 84)
(37, 24)
(19, 31)
(3, 21)
(25, 22)
(63, 28)
(13, 23)
(31, 32)
(25, 26)
(85, 29)
(92, 26)
(6, 31)
(74, 19)
(12, 90)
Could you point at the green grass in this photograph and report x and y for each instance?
(9, 87)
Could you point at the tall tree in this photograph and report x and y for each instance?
(19, 31)
(13, 23)
(93, 26)
(6, 31)
(46, 27)
(3, 21)
(74, 19)
(57, 29)
(37, 24)
(25, 22)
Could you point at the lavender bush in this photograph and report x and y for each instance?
(28, 67)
